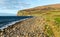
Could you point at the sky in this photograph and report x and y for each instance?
(11, 7)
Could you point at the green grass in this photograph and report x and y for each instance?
(49, 32)
(57, 20)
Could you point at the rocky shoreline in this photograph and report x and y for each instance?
(31, 27)
(12, 23)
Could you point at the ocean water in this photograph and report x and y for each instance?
(6, 21)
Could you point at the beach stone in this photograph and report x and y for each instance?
(32, 27)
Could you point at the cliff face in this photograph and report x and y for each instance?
(37, 11)
(33, 27)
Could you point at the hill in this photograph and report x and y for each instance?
(37, 11)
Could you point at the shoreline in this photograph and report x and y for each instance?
(12, 23)
(25, 28)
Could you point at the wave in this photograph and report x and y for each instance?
(12, 23)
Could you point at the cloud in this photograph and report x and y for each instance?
(2, 1)
(18, 4)
(12, 4)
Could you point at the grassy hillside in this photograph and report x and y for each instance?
(37, 11)
(51, 14)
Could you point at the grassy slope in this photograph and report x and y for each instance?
(53, 20)
(51, 13)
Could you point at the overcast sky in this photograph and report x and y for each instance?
(8, 7)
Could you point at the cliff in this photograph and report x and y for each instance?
(37, 11)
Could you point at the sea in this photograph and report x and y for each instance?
(6, 21)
